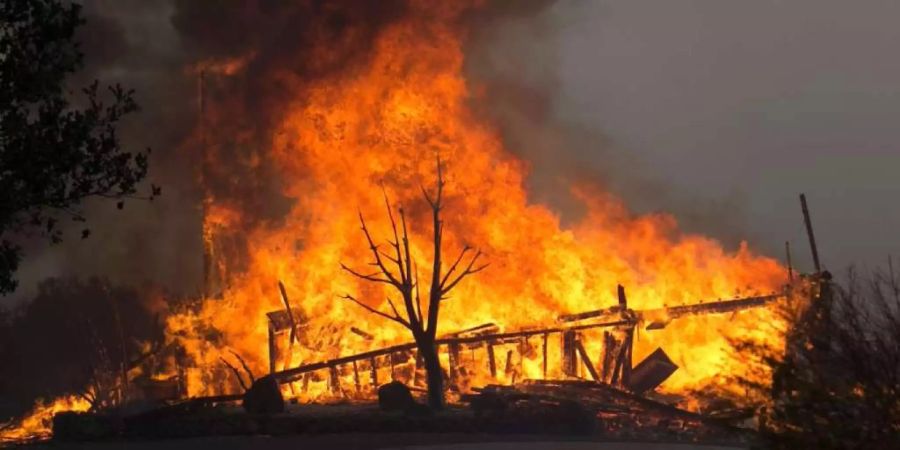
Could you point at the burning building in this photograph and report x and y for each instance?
(361, 109)
(352, 104)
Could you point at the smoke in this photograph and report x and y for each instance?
(514, 60)
(157, 47)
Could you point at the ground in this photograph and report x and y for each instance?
(410, 441)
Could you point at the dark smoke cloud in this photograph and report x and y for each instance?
(152, 46)
(674, 107)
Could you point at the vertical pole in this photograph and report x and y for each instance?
(453, 350)
(273, 356)
(356, 377)
(372, 362)
(569, 359)
(545, 355)
(492, 362)
(334, 381)
(790, 267)
(809, 233)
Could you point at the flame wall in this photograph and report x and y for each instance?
(328, 144)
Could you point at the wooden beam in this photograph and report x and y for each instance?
(569, 358)
(587, 361)
(492, 362)
(545, 354)
(356, 377)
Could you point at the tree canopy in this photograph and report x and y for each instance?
(56, 148)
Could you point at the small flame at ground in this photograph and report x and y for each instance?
(38, 423)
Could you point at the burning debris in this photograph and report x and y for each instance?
(373, 122)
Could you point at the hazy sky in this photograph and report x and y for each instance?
(718, 111)
(753, 101)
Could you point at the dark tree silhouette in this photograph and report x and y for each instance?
(836, 380)
(53, 154)
(404, 279)
(68, 339)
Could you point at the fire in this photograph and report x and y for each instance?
(37, 423)
(342, 138)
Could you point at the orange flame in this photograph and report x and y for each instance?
(381, 123)
(37, 423)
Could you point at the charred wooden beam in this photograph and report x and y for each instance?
(273, 349)
(334, 380)
(361, 333)
(545, 335)
(356, 377)
(287, 306)
(288, 375)
(509, 369)
(610, 349)
(658, 318)
(480, 330)
(453, 350)
(569, 360)
(651, 372)
(622, 368)
(374, 366)
(587, 361)
(492, 362)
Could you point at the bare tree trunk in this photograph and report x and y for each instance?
(434, 373)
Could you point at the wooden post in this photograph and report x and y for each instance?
(391, 359)
(273, 349)
(374, 365)
(610, 346)
(453, 350)
(626, 370)
(545, 355)
(587, 361)
(568, 353)
(509, 370)
(492, 363)
(523, 349)
(809, 233)
(622, 371)
(333, 379)
(356, 377)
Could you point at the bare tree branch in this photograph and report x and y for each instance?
(372, 310)
(468, 271)
(375, 253)
(370, 277)
(455, 263)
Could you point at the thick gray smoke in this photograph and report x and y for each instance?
(720, 112)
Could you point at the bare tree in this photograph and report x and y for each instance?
(397, 269)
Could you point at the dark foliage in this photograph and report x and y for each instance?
(74, 337)
(837, 385)
(53, 153)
